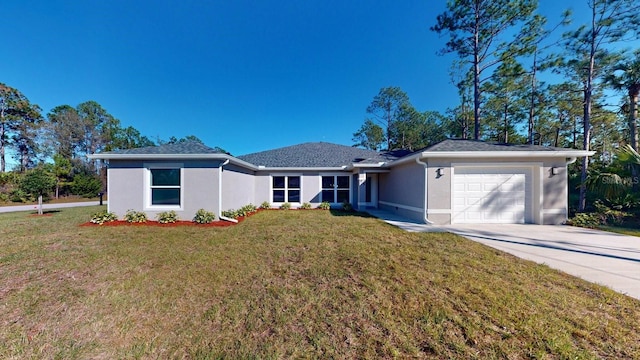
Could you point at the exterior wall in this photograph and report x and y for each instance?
(403, 190)
(549, 192)
(310, 186)
(238, 187)
(128, 185)
(555, 193)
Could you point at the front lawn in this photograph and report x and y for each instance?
(290, 284)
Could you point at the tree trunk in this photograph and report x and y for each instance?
(634, 90)
(633, 127)
(533, 97)
(476, 75)
(588, 90)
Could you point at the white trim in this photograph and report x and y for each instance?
(147, 186)
(439, 211)
(554, 211)
(405, 207)
(286, 188)
(567, 153)
(335, 187)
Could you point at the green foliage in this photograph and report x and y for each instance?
(231, 213)
(369, 136)
(305, 206)
(325, 205)
(265, 205)
(204, 217)
(86, 185)
(133, 216)
(602, 216)
(167, 217)
(346, 206)
(18, 195)
(103, 216)
(249, 209)
(285, 206)
(37, 182)
(586, 220)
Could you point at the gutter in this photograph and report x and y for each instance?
(426, 196)
(220, 194)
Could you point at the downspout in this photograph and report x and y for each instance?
(426, 180)
(220, 194)
(571, 160)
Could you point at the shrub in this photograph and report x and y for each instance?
(586, 220)
(249, 209)
(18, 195)
(346, 206)
(285, 206)
(204, 217)
(231, 213)
(167, 217)
(306, 206)
(103, 216)
(135, 216)
(37, 182)
(325, 205)
(265, 205)
(86, 185)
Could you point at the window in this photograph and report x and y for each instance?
(335, 188)
(165, 186)
(286, 189)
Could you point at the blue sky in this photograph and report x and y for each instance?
(243, 75)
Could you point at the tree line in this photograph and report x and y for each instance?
(50, 150)
(503, 49)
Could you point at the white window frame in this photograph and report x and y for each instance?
(286, 188)
(148, 187)
(335, 186)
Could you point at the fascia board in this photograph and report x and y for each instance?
(298, 169)
(231, 159)
(491, 154)
(505, 154)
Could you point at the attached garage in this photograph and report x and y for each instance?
(492, 195)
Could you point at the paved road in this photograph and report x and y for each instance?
(6, 209)
(601, 257)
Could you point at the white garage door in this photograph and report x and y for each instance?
(482, 195)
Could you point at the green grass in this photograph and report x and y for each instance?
(290, 284)
(621, 230)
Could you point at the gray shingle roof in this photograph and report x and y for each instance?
(475, 145)
(186, 147)
(317, 154)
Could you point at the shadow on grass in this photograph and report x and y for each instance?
(336, 212)
(45, 212)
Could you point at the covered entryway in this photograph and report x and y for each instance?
(492, 195)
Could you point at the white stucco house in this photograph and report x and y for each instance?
(454, 181)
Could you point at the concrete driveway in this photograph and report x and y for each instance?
(609, 259)
(601, 257)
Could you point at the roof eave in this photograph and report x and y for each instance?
(491, 154)
(505, 154)
(222, 157)
(299, 168)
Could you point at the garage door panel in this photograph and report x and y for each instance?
(490, 195)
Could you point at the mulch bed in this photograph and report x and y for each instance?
(179, 223)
